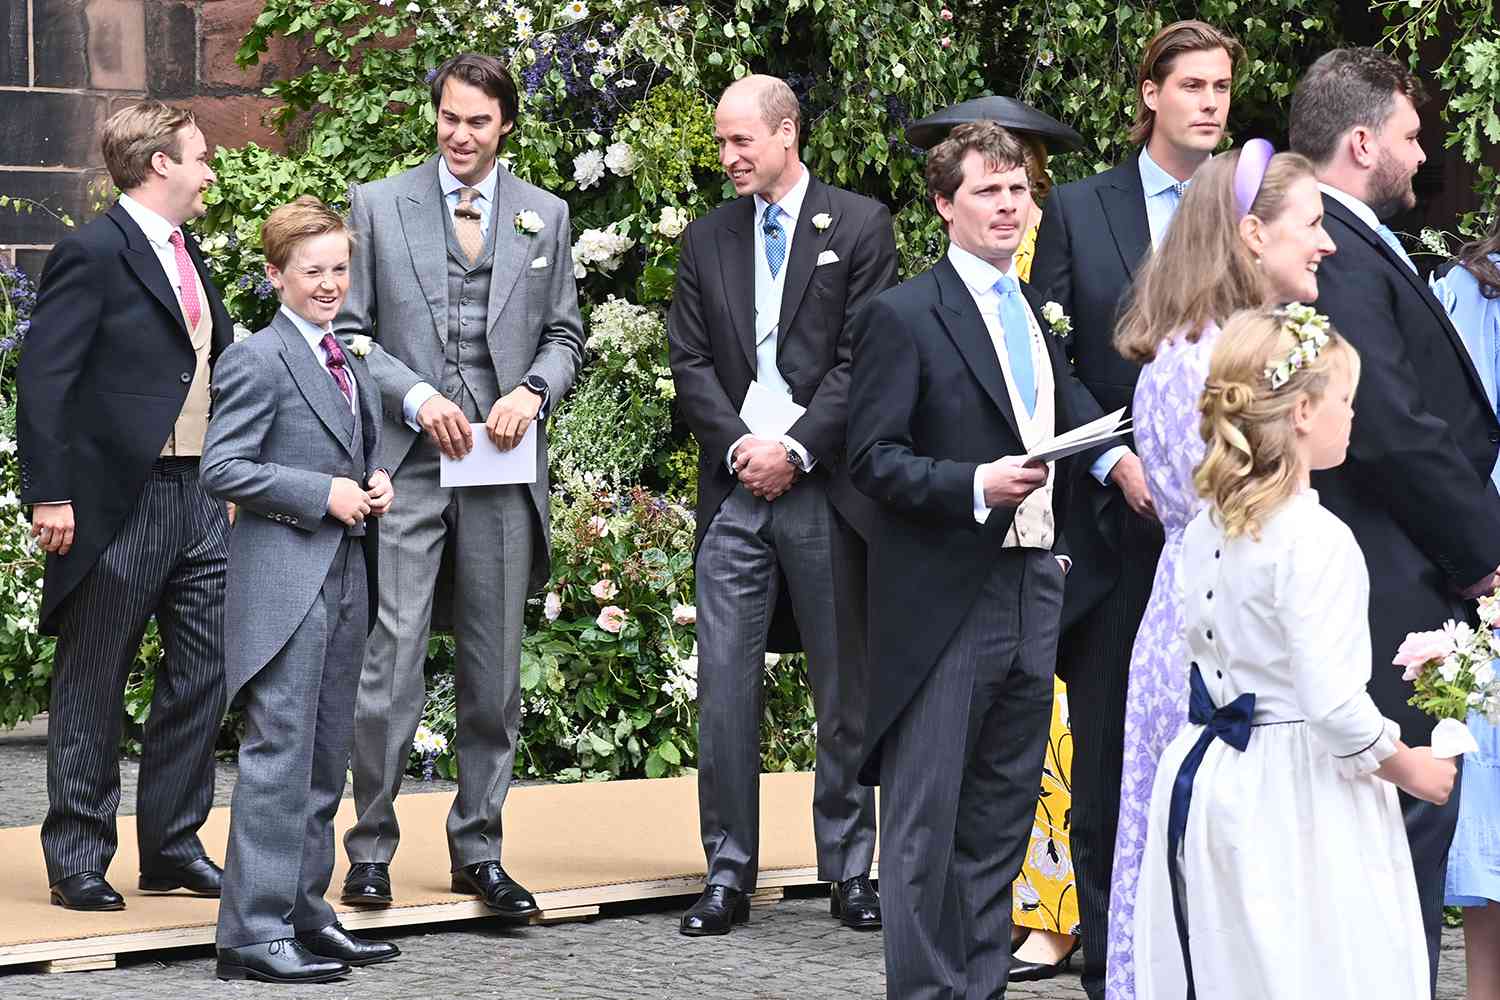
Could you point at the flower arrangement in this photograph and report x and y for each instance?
(1309, 328)
(1452, 670)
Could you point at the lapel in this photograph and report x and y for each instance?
(511, 248)
(316, 385)
(959, 316)
(1123, 199)
(368, 400)
(737, 271)
(1332, 206)
(1060, 368)
(222, 334)
(141, 259)
(807, 245)
(421, 211)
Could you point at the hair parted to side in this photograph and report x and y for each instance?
(1203, 272)
(302, 219)
(1161, 53)
(135, 134)
(1343, 89)
(1251, 464)
(1000, 147)
(485, 72)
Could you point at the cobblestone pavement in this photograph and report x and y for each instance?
(791, 950)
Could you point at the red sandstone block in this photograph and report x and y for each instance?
(235, 120)
(222, 24)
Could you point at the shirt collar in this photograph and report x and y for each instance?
(312, 334)
(1363, 212)
(450, 184)
(1153, 178)
(790, 203)
(157, 229)
(977, 274)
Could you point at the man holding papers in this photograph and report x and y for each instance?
(957, 386)
(766, 288)
(463, 273)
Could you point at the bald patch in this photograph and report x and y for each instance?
(771, 97)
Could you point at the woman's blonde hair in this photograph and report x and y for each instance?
(1203, 272)
(1251, 464)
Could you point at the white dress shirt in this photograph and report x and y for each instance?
(485, 201)
(314, 335)
(1364, 213)
(159, 234)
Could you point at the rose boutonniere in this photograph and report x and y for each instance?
(1058, 320)
(528, 223)
(359, 345)
(822, 221)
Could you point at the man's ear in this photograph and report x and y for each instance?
(1149, 94)
(944, 207)
(1360, 141)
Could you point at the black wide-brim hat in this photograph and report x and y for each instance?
(928, 132)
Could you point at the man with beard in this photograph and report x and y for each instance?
(1415, 489)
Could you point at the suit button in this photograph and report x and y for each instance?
(1494, 437)
(186, 377)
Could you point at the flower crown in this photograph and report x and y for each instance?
(1310, 328)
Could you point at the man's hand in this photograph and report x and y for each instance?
(380, 493)
(1008, 481)
(347, 502)
(52, 525)
(1130, 476)
(760, 463)
(447, 426)
(511, 415)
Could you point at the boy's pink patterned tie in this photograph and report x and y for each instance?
(336, 364)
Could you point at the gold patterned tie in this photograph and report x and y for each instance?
(466, 224)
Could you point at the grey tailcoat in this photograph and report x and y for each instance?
(399, 295)
(266, 436)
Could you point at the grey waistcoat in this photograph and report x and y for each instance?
(468, 370)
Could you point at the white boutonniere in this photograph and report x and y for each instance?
(359, 345)
(822, 221)
(528, 223)
(1058, 320)
(240, 332)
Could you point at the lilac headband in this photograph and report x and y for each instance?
(1255, 157)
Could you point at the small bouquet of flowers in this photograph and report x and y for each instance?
(1452, 671)
(430, 745)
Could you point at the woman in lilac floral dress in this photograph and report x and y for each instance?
(1249, 232)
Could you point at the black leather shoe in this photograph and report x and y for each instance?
(367, 884)
(283, 961)
(1030, 972)
(336, 943)
(856, 903)
(87, 891)
(201, 878)
(717, 910)
(501, 893)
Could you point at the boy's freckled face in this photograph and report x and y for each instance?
(316, 278)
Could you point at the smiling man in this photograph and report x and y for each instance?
(485, 310)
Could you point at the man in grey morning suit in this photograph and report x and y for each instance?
(451, 280)
(766, 288)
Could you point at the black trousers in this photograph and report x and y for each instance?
(168, 560)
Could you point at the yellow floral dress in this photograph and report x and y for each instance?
(1045, 898)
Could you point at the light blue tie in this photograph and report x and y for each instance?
(1017, 340)
(775, 239)
(1385, 233)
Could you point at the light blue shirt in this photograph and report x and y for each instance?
(1478, 322)
(1163, 195)
(486, 188)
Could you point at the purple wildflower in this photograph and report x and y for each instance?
(264, 289)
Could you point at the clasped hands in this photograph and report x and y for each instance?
(448, 428)
(761, 464)
(350, 504)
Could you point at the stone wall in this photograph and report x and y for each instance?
(66, 64)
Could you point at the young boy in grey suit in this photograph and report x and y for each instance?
(292, 443)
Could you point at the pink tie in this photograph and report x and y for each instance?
(336, 365)
(189, 280)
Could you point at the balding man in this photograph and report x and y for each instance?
(767, 287)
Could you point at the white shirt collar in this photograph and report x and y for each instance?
(977, 274)
(1361, 211)
(790, 203)
(157, 229)
(450, 184)
(310, 333)
(1154, 179)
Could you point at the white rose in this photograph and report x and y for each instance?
(529, 222)
(822, 221)
(673, 221)
(620, 158)
(685, 614)
(552, 606)
(1052, 312)
(588, 169)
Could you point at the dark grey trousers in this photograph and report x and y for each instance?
(958, 780)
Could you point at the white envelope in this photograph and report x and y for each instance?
(769, 413)
(827, 257)
(487, 465)
(539, 263)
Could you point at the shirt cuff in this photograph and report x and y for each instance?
(1105, 463)
(729, 455)
(1370, 758)
(416, 396)
(981, 511)
(807, 460)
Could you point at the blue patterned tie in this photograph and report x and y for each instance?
(775, 239)
(1389, 237)
(1017, 340)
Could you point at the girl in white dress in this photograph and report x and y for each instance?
(1274, 812)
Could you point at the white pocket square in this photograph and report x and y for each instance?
(539, 263)
(827, 257)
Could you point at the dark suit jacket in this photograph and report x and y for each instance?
(1416, 487)
(711, 333)
(927, 406)
(103, 376)
(1093, 236)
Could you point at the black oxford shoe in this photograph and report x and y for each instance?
(367, 884)
(87, 891)
(501, 893)
(283, 961)
(335, 942)
(201, 877)
(856, 903)
(717, 910)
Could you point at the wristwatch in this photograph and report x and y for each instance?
(792, 458)
(536, 384)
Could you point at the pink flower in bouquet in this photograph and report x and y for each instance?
(685, 614)
(604, 590)
(611, 619)
(1420, 650)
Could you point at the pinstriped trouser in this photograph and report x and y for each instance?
(167, 560)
